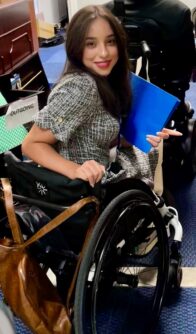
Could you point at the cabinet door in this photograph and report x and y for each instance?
(16, 40)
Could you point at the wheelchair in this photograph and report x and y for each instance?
(130, 257)
(166, 69)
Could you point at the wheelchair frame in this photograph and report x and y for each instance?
(130, 238)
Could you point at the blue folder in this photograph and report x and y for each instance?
(151, 109)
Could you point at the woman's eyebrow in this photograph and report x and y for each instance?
(91, 37)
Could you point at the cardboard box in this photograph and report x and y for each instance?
(45, 30)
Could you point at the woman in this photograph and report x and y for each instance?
(73, 134)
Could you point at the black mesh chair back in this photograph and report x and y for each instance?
(166, 67)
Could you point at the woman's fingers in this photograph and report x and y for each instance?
(91, 171)
(94, 172)
(172, 132)
(153, 140)
(163, 135)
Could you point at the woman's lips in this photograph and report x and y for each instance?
(103, 64)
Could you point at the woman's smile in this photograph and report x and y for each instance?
(103, 64)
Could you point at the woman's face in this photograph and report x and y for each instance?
(100, 51)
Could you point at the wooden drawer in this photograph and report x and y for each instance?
(16, 40)
(15, 46)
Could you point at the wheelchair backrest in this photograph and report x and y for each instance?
(30, 180)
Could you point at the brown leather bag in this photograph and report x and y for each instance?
(25, 286)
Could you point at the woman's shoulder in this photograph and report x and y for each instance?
(75, 87)
(82, 80)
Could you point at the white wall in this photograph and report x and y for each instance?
(36, 6)
(74, 5)
(51, 11)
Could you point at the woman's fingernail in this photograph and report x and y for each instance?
(174, 132)
(179, 133)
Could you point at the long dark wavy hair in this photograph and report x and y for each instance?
(114, 89)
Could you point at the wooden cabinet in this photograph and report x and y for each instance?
(18, 37)
(19, 49)
(19, 56)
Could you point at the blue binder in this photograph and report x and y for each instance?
(151, 109)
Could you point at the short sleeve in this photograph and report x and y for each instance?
(69, 106)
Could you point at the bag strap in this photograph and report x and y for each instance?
(63, 216)
(9, 206)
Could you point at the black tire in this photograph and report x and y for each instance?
(106, 284)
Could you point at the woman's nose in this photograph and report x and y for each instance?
(103, 50)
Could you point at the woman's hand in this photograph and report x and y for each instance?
(90, 171)
(163, 134)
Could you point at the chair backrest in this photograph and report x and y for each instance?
(30, 180)
(147, 31)
(164, 65)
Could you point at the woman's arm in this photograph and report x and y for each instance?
(39, 146)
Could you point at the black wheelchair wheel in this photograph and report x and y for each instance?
(123, 274)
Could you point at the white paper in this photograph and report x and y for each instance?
(21, 111)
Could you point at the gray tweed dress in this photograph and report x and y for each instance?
(84, 129)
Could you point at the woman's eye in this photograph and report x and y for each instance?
(90, 44)
(111, 41)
